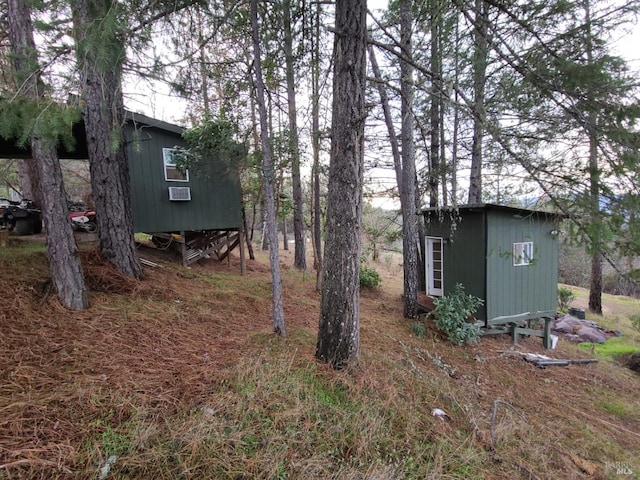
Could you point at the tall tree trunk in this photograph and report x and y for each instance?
(300, 259)
(443, 147)
(30, 182)
(315, 139)
(264, 239)
(415, 267)
(456, 118)
(248, 234)
(479, 113)
(101, 54)
(268, 181)
(595, 287)
(436, 104)
(388, 119)
(595, 281)
(202, 63)
(62, 251)
(339, 326)
(285, 237)
(420, 238)
(408, 198)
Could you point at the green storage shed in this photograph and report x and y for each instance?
(203, 215)
(504, 255)
(166, 200)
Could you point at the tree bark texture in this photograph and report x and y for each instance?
(408, 195)
(453, 167)
(315, 138)
(339, 326)
(436, 105)
(30, 182)
(388, 118)
(64, 262)
(479, 112)
(595, 286)
(248, 233)
(299, 258)
(100, 60)
(268, 182)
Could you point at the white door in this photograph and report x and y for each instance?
(434, 267)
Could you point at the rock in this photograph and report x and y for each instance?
(566, 324)
(634, 361)
(591, 335)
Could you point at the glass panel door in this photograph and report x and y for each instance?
(434, 266)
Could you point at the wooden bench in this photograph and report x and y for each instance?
(520, 324)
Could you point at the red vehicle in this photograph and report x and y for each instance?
(84, 221)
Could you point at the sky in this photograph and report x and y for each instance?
(159, 102)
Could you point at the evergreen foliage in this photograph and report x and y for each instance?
(212, 149)
(22, 116)
(369, 276)
(452, 314)
(565, 297)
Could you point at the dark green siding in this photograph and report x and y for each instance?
(215, 203)
(478, 253)
(463, 251)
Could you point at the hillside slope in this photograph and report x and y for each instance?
(179, 376)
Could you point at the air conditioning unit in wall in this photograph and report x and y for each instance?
(179, 194)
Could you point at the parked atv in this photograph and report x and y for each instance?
(20, 217)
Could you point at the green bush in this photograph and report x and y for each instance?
(369, 277)
(419, 329)
(565, 297)
(635, 321)
(452, 314)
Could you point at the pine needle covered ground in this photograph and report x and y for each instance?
(178, 376)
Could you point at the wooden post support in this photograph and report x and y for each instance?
(183, 249)
(514, 333)
(546, 340)
(243, 266)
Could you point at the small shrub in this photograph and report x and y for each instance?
(635, 321)
(369, 277)
(452, 313)
(565, 297)
(418, 329)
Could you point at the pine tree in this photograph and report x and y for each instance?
(64, 261)
(339, 328)
(268, 176)
(100, 53)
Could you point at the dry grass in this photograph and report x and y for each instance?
(179, 376)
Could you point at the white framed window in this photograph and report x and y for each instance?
(522, 254)
(171, 172)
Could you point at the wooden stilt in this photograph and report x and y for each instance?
(243, 265)
(183, 249)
